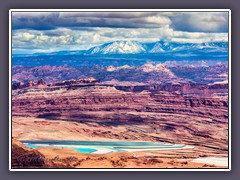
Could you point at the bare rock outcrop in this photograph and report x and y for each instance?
(23, 157)
(28, 84)
(41, 82)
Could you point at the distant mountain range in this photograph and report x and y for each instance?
(131, 53)
(135, 47)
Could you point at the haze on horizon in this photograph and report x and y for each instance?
(55, 31)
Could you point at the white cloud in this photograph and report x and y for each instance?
(73, 30)
(158, 19)
(65, 39)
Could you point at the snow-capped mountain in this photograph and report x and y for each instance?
(148, 50)
(157, 48)
(162, 46)
(134, 47)
(118, 47)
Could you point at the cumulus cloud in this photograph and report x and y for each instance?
(51, 31)
(198, 37)
(68, 39)
(82, 39)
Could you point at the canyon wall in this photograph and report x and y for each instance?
(75, 99)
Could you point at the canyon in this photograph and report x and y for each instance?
(87, 109)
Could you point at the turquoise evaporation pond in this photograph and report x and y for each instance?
(80, 149)
(81, 146)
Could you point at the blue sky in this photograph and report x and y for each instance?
(56, 31)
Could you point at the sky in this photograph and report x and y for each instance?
(56, 31)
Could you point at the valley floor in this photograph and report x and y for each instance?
(30, 128)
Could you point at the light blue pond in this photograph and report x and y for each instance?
(31, 146)
(92, 146)
(85, 150)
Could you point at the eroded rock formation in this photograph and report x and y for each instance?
(199, 100)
